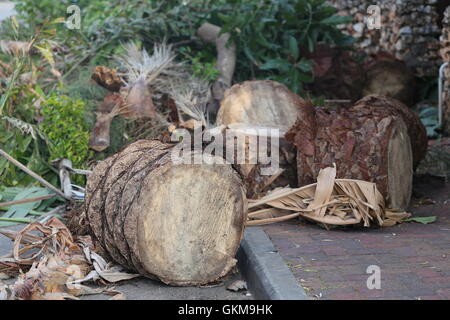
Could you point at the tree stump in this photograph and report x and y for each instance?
(179, 223)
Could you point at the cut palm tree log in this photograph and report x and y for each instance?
(180, 223)
(257, 105)
(364, 143)
(388, 76)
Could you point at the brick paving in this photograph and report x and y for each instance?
(414, 258)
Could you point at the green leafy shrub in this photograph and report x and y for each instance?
(65, 127)
(203, 64)
(273, 37)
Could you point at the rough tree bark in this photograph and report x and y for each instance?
(369, 141)
(380, 106)
(337, 74)
(179, 223)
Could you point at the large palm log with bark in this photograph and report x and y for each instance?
(378, 140)
(180, 223)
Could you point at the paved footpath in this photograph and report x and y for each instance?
(414, 258)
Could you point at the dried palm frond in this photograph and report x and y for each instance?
(191, 98)
(57, 263)
(330, 201)
(140, 65)
(15, 47)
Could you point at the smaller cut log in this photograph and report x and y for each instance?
(263, 104)
(260, 103)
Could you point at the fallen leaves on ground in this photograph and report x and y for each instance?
(423, 220)
(56, 264)
(330, 201)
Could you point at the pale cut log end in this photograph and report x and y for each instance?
(180, 223)
(400, 168)
(191, 223)
(260, 103)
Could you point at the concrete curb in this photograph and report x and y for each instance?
(267, 275)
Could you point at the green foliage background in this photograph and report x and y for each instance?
(273, 40)
(272, 36)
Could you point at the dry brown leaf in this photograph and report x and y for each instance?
(324, 189)
(15, 47)
(107, 78)
(237, 285)
(58, 264)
